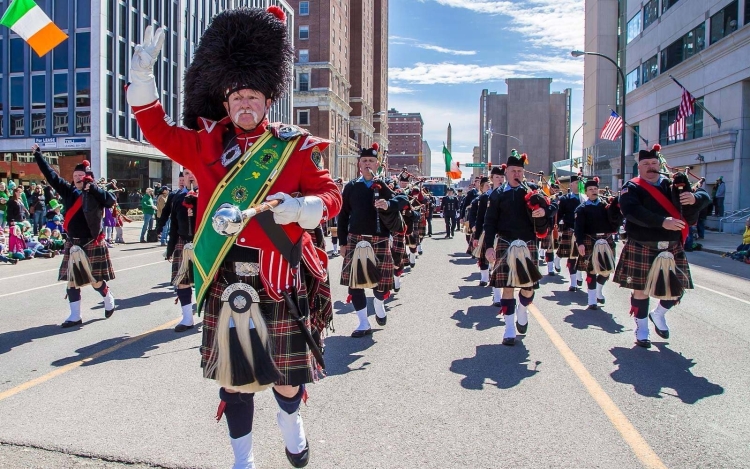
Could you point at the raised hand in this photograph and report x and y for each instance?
(142, 88)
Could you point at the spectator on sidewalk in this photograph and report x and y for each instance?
(57, 242)
(120, 218)
(4, 250)
(161, 202)
(37, 208)
(109, 223)
(17, 211)
(720, 192)
(149, 209)
(4, 198)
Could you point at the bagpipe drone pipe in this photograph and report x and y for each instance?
(535, 199)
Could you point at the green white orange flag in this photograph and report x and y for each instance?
(451, 167)
(27, 20)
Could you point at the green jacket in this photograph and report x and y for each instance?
(147, 205)
(4, 198)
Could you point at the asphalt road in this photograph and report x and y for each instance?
(432, 389)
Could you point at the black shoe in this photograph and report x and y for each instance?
(600, 301)
(109, 312)
(359, 334)
(483, 284)
(412, 265)
(429, 235)
(13, 261)
(551, 274)
(381, 321)
(643, 343)
(396, 290)
(509, 341)
(580, 283)
(67, 324)
(301, 459)
(182, 328)
(522, 328)
(497, 304)
(572, 288)
(663, 333)
(557, 269)
(593, 307)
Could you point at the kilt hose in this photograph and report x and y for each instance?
(382, 249)
(501, 270)
(422, 228)
(565, 247)
(398, 251)
(584, 263)
(177, 259)
(101, 265)
(290, 352)
(636, 260)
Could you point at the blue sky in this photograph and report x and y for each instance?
(442, 53)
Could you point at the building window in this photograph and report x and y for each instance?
(83, 122)
(304, 32)
(60, 56)
(724, 22)
(83, 89)
(61, 14)
(683, 48)
(16, 93)
(16, 55)
(17, 124)
(38, 64)
(747, 12)
(110, 124)
(304, 56)
(631, 80)
(303, 117)
(38, 124)
(650, 13)
(636, 139)
(60, 91)
(667, 4)
(304, 82)
(634, 26)
(38, 92)
(60, 123)
(304, 8)
(83, 50)
(693, 127)
(83, 13)
(650, 70)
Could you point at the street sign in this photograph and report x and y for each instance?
(475, 165)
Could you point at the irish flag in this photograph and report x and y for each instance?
(27, 20)
(451, 167)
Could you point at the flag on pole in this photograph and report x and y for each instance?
(612, 128)
(25, 18)
(677, 130)
(687, 105)
(451, 167)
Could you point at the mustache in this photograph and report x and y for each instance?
(245, 111)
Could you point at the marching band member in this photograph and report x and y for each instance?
(477, 212)
(449, 206)
(463, 221)
(333, 223)
(567, 205)
(497, 177)
(658, 213)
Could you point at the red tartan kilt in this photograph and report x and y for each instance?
(177, 259)
(422, 229)
(398, 251)
(101, 265)
(548, 243)
(566, 237)
(382, 249)
(501, 270)
(290, 352)
(636, 260)
(584, 264)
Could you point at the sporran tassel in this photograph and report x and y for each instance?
(79, 268)
(186, 265)
(660, 275)
(602, 258)
(521, 268)
(364, 262)
(675, 286)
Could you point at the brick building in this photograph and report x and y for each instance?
(406, 134)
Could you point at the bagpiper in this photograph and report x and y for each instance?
(477, 211)
(567, 205)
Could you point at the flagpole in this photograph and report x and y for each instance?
(631, 128)
(716, 119)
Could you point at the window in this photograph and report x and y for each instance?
(631, 80)
(83, 13)
(304, 55)
(60, 123)
(649, 70)
(61, 13)
(16, 55)
(17, 124)
(667, 4)
(636, 140)
(724, 22)
(60, 56)
(39, 124)
(83, 50)
(60, 91)
(16, 93)
(650, 13)
(683, 48)
(747, 12)
(693, 128)
(304, 8)
(634, 27)
(304, 32)
(304, 82)
(38, 95)
(303, 117)
(38, 64)
(83, 89)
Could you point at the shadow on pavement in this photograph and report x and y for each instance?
(650, 372)
(13, 339)
(556, 279)
(341, 351)
(463, 261)
(594, 319)
(475, 292)
(480, 318)
(137, 349)
(137, 301)
(497, 365)
(567, 298)
(140, 248)
(339, 307)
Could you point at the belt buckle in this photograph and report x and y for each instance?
(662, 245)
(246, 269)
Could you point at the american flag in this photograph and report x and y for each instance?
(677, 129)
(612, 128)
(687, 105)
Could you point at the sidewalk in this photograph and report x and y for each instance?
(720, 243)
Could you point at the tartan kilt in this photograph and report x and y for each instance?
(500, 271)
(565, 247)
(584, 263)
(290, 352)
(177, 259)
(101, 265)
(398, 251)
(636, 260)
(382, 249)
(422, 228)
(548, 243)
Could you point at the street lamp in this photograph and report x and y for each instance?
(571, 147)
(578, 53)
(490, 133)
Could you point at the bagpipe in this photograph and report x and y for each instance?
(536, 199)
(544, 183)
(680, 178)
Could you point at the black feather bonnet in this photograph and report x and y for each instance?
(243, 48)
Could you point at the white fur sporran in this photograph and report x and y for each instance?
(79, 268)
(602, 258)
(364, 266)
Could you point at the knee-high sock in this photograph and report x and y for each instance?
(557, 262)
(290, 421)
(496, 295)
(185, 295)
(74, 300)
(484, 275)
(109, 300)
(639, 308)
(592, 296)
(379, 307)
(522, 311)
(239, 411)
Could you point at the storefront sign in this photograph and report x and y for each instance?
(49, 142)
(73, 142)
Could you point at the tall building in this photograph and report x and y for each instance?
(406, 136)
(426, 166)
(705, 45)
(72, 101)
(476, 157)
(529, 118)
(341, 76)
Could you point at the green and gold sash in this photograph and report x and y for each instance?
(246, 184)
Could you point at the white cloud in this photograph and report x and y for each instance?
(399, 90)
(546, 23)
(407, 41)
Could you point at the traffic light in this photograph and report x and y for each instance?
(590, 160)
(489, 166)
(458, 164)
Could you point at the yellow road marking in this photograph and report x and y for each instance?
(637, 443)
(74, 365)
(63, 281)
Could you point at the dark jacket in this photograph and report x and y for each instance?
(358, 214)
(468, 199)
(16, 211)
(594, 219)
(181, 225)
(567, 206)
(449, 204)
(482, 202)
(509, 217)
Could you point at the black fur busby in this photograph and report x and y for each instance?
(649, 154)
(243, 48)
(516, 159)
(592, 182)
(499, 169)
(373, 151)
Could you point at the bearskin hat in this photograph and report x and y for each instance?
(373, 151)
(649, 154)
(243, 48)
(592, 182)
(517, 160)
(499, 169)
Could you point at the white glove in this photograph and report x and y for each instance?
(142, 89)
(306, 211)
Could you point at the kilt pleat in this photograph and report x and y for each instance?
(177, 259)
(548, 243)
(636, 260)
(101, 265)
(290, 352)
(501, 270)
(565, 247)
(382, 249)
(584, 263)
(398, 251)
